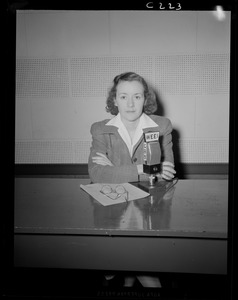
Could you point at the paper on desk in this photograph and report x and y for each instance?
(94, 190)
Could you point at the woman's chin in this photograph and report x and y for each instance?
(132, 116)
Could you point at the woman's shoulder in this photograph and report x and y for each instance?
(101, 123)
(160, 120)
(99, 126)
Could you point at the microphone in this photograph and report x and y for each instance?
(152, 166)
(151, 153)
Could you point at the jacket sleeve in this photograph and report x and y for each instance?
(166, 142)
(107, 174)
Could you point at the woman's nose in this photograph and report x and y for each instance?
(130, 102)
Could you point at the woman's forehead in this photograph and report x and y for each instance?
(130, 86)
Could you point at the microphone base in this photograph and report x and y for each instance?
(153, 185)
(148, 187)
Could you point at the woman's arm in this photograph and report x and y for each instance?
(166, 143)
(167, 164)
(100, 168)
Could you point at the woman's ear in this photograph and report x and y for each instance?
(145, 102)
(115, 102)
(145, 105)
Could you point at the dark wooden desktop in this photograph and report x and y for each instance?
(58, 225)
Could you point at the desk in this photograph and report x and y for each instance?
(58, 225)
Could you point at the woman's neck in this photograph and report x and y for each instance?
(131, 125)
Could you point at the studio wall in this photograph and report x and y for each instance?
(66, 61)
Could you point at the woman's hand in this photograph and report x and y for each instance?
(167, 171)
(101, 159)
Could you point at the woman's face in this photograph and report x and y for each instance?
(130, 100)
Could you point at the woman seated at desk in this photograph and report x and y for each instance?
(116, 153)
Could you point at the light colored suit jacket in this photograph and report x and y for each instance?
(107, 140)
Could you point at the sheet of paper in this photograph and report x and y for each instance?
(96, 190)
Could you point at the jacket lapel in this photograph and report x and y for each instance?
(110, 129)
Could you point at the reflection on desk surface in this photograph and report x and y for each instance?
(58, 205)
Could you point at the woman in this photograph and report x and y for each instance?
(116, 154)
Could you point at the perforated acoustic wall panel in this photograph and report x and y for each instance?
(81, 151)
(192, 74)
(74, 79)
(42, 77)
(204, 151)
(52, 151)
(89, 76)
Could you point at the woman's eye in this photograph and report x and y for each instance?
(138, 97)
